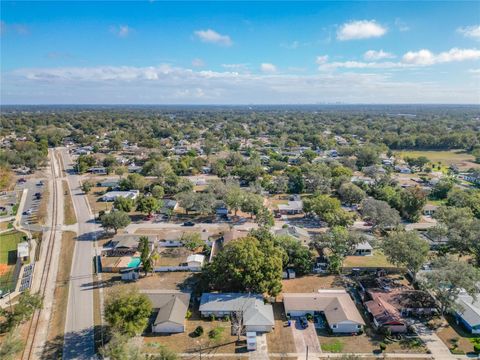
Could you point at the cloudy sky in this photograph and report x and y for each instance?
(153, 52)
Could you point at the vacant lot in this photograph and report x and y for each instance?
(8, 257)
(311, 283)
(378, 259)
(454, 157)
(280, 340)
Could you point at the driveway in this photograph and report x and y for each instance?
(262, 349)
(436, 346)
(304, 338)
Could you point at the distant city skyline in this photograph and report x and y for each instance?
(154, 52)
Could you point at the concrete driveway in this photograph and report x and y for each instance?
(304, 338)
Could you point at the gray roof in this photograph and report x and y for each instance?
(255, 311)
(469, 309)
(172, 307)
(130, 240)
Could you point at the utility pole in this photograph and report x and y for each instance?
(307, 353)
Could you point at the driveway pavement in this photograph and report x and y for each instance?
(436, 346)
(304, 338)
(262, 348)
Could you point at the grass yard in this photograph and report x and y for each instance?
(458, 157)
(378, 259)
(455, 336)
(311, 283)
(8, 257)
(280, 340)
(68, 209)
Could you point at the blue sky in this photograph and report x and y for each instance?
(240, 52)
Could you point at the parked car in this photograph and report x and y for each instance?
(22, 181)
(38, 196)
(40, 183)
(188, 223)
(28, 212)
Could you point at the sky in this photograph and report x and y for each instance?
(156, 52)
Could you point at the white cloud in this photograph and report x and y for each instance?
(377, 55)
(164, 84)
(474, 71)
(19, 29)
(470, 31)
(322, 59)
(360, 29)
(236, 67)
(197, 62)
(410, 59)
(121, 30)
(268, 68)
(211, 36)
(426, 57)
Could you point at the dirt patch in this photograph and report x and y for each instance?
(311, 283)
(280, 340)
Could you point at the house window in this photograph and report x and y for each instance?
(359, 326)
(334, 326)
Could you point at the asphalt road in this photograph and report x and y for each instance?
(79, 326)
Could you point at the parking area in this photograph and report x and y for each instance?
(29, 216)
(305, 337)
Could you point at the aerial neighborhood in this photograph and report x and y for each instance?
(261, 231)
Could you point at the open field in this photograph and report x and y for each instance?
(447, 158)
(59, 313)
(378, 259)
(8, 257)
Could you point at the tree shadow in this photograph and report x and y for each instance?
(74, 345)
(97, 284)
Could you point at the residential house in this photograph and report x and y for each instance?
(169, 206)
(403, 169)
(171, 309)
(296, 232)
(291, 208)
(127, 244)
(336, 305)
(429, 209)
(390, 307)
(112, 195)
(468, 313)
(363, 249)
(109, 183)
(100, 170)
(256, 315)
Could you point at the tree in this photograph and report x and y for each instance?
(23, 310)
(87, 186)
(366, 156)
(329, 209)
(148, 205)
(123, 204)
(448, 278)
(380, 214)
(406, 249)
(248, 265)
(252, 203)
(234, 198)
(115, 220)
(264, 218)
(121, 347)
(469, 198)
(351, 193)
(297, 257)
(133, 182)
(145, 254)
(158, 192)
(339, 242)
(192, 240)
(413, 199)
(186, 200)
(10, 346)
(128, 312)
(441, 188)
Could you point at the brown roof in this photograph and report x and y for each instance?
(335, 304)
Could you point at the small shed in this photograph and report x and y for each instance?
(23, 251)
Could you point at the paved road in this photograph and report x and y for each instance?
(79, 326)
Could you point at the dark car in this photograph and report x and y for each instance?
(38, 196)
(304, 322)
(40, 183)
(188, 223)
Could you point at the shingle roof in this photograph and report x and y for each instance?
(172, 307)
(336, 305)
(255, 312)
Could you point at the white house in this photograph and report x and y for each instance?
(112, 195)
(336, 305)
(363, 249)
(469, 312)
(256, 315)
(171, 308)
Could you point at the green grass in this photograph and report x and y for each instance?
(378, 259)
(8, 246)
(8, 256)
(445, 157)
(334, 347)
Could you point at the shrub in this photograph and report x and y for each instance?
(188, 315)
(382, 346)
(309, 317)
(476, 348)
(198, 331)
(216, 334)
